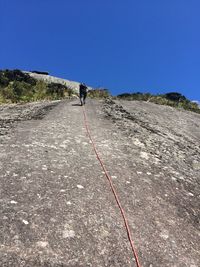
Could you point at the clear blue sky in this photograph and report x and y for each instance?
(125, 46)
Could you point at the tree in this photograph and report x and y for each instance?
(174, 96)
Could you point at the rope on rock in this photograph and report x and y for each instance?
(113, 190)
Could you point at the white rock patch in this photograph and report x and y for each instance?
(42, 244)
(44, 168)
(138, 143)
(164, 234)
(68, 234)
(68, 231)
(25, 222)
(144, 155)
(13, 202)
(80, 186)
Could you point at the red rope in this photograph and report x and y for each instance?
(114, 192)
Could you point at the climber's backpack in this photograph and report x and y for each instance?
(83, 88)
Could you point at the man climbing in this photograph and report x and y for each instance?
(83, 93)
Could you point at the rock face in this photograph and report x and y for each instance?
(51, 79)
(167, 135)
(10, 114)
(168, 145)
(57, 209)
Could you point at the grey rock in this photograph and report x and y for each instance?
(51, 79)
(57, 208)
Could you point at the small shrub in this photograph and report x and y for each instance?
(56, 90)
(17, 75)
(174, 96)
(8, 93)
(68, 92)
(40, 90)
(99, 93)
(4, 81)
(2, 99)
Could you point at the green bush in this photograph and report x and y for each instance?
(39, 90)
(8, 93)
(56, 90)
(4, 81)
(68, 92)
(2, 99)
(174, 96)
(99, 93)
(16, 75)
(16, 91)
(135, 96)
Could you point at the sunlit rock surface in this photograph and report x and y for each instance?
(56, 205)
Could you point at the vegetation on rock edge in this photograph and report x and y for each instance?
(172, 99)
(16, 86)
